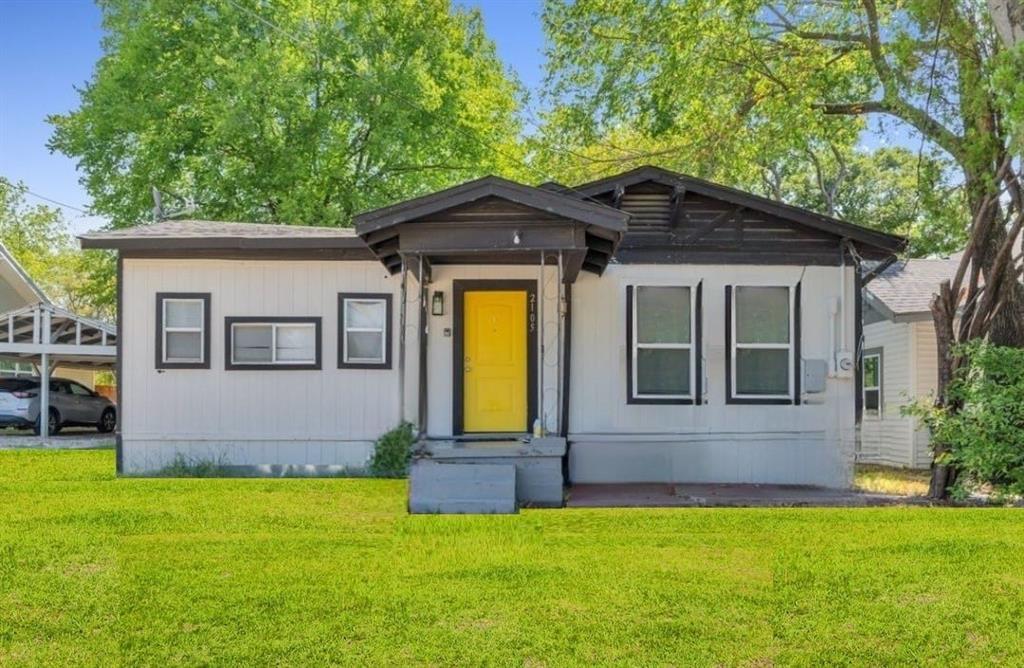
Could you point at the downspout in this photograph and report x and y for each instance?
(558, 345)
(423, 339)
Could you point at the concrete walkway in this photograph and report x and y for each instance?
(725, 495)
(70, 438)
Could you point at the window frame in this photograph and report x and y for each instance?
(386, 333)
(880, 415)
(633, 397)
(161, 332)
(792, 397)
(273, 321)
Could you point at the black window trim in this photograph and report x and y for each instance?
(879, 353)
(388, 329)
(229, 321)
(695, 397)
(797, 366)
(160, 298)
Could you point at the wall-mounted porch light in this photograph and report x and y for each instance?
(437, 303)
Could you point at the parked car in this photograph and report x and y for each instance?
(71, 404)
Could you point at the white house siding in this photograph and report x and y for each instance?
(440, 345)
(926, 381)
(612, 441)
(328, 417)
(890, 439)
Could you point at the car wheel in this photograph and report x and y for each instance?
(108, 420)
(54, 424)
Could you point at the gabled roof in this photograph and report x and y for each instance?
(905, 290)
(224, 235)
(493, 186)
(796, 214)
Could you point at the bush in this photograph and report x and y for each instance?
(392, 452)
(985, 436)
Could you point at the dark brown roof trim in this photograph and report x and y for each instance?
(307, 255)
(234, 243)
(537, 198)
(888, 242)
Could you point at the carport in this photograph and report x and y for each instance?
(46, 336)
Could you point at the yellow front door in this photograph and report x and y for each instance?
(494, 381)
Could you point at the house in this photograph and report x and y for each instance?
(651, 326)
(900, 361)
(20, 296)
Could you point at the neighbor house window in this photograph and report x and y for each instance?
(872, 384)
(364, 332)
(272, 343)
(760, 327)
(663, 343)
(183, 332)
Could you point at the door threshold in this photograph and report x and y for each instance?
(486, 436)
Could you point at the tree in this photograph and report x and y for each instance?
(38, 238)
(290, 111)
(741, 77)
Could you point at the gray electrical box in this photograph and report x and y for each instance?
(815, 375)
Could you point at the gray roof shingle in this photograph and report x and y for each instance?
(908, 287)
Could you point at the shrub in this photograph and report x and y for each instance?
(191, 467)
(985, 436)
(392, 452)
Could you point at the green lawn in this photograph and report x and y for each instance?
(96, 570)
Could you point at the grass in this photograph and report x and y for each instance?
(96, 570)
(891, 480)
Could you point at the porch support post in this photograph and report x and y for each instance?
(559, 314)
(402, 316)
(540, 347)
(44, 397)
(424, 335)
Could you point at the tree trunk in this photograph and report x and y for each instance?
(943, 310)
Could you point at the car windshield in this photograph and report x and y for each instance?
(17, 384)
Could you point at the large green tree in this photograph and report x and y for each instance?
(287, 111)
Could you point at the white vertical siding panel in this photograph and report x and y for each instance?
(891, 439)
(265, 416)
(613, 440)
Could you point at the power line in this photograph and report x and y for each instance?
(398, 95)
(57, 202)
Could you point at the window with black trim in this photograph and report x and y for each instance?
(663, 363)
(364, 330)
(272, 343)
(183, 330)
(761, 351)
(871, 383)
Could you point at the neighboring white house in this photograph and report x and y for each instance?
(657, 328)
(899, 360)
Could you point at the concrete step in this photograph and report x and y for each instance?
(463, 488)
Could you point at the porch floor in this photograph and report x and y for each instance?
(696, 495)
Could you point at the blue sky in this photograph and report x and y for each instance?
(48, 47)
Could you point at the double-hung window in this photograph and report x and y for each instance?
(871, 380)
(364, 331)
(183, 330)
(663, 362)
(272, 343)
(760, 327)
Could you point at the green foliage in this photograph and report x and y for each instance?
(392, 452)
(287, 111)
(38, 238)
(183, 466)
(984, 430)
(169, 572)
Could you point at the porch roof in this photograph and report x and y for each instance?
(496, 221)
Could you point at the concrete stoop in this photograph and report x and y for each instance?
(442, 487)
(459, 476)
